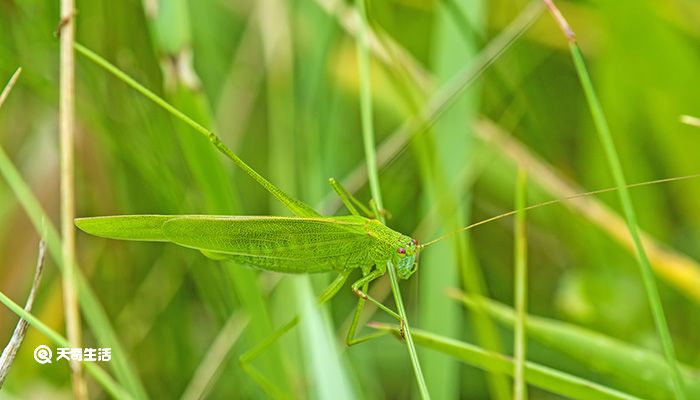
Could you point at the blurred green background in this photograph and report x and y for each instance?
(278, 81)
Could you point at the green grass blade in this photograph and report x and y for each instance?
(519, 387)
(215, 358)
(615, 166)
(326, 375)
(602, 354)
(453, 145)
(538, 375)
(445, 96)
(371, 159)
(366, 114)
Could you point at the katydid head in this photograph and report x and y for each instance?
(405, 259)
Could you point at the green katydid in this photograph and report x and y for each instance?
(302, 244)
(306, 243)
(281, 244)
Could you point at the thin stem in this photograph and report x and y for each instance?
(67, 140)
(519, 388)
(371, 159)
(407, 333)
(9, 85)
(615, 166)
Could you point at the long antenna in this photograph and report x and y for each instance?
(555, 201)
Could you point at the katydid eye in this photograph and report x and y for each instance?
(401, 250)
(414, 241)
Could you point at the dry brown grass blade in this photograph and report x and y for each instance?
(66, 127)
(676, 268)
(8, 355)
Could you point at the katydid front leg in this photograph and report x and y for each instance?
(360, 289)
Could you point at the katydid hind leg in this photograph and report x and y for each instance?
(247, 358)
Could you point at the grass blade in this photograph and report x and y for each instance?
(444, 97)
(615, 166)
(370, 156)
(215, 357)
(538, 375)
(8, 355)
(519, 388)
(602, 354)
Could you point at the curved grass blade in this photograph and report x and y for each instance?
(637, 370)
(92, 309)
(535, 374)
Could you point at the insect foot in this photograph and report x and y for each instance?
(359, 293)
(402, 324)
